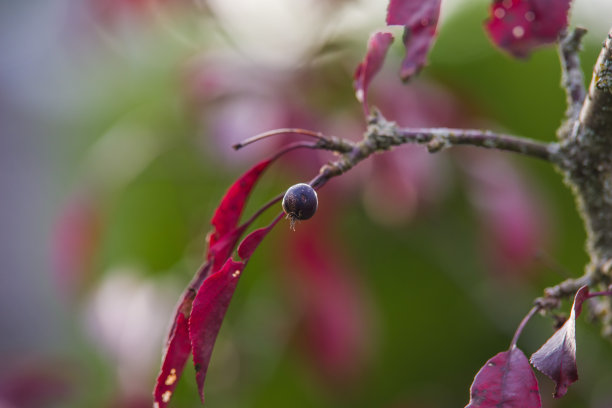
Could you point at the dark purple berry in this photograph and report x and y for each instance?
(300, 202)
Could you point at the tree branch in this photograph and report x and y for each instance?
(382, 135)
(596, 113)
(585, 158)
(440, 138)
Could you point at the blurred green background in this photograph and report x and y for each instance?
(116, 121)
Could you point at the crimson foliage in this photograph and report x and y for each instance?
(201, 310)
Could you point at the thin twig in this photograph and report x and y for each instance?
(572, 79)
(382, 135)
(278, 132)
(440, 138)
(521, 325)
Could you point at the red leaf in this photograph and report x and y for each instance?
(178, 345)
(173, 362)
(228, 213)
(519, 26)
(252, 241)
(223, 247)
(208, 311)
(505, 381)
(221, 243)
(377, 50)
(420, 20)
(557, 357)
(212, 301)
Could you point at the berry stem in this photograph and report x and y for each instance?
(522, 325)
(278, 132)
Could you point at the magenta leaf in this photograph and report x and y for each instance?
(252, 241)
(228, 213)
(505, 381)
(178, 346)
(223, 247)
(420, 20)
(377, 50)
(212, 301)
(208, 311)
(519, 26)
(173, 362)
(557, 357)
(411, 12)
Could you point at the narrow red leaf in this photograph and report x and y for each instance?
(212, 301)
(417, 42)
(519, 26)
(228, 213)
(207, 314)
(173, 362)
(178, 346)
(420, 21)
(223, 247)
(211, 306)
(375, 56)
(507, 381)
(557, 357)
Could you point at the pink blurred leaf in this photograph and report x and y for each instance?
(76, 236)
(336, 330)
(420, 20)
(212, 301)
(513, 221)
(34, 381)
(377, 50)
(228, 213)
(507, 381)
(173, 362)
(519, 26)
(557, 357)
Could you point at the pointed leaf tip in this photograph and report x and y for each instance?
(209, 308)
(228, 213)
(378, 45)
(557, 357)
(506, 380)
(173, 362)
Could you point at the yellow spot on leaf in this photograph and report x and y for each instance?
(171, 377)
(166, 396)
